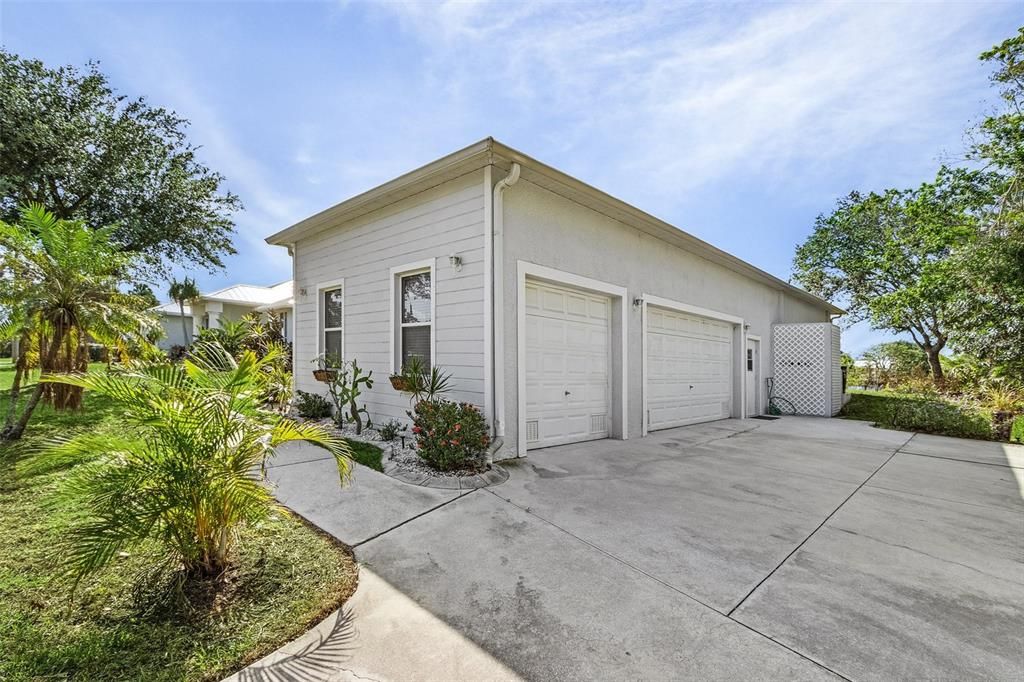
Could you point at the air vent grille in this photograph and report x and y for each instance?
(598, 423)
(532, 431)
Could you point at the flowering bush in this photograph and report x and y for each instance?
(449, 435)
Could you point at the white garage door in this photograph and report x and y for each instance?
(568, 365)
(689, 369)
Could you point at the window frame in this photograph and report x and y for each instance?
(321, 316)
(396, 274)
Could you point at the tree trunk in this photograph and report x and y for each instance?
(184, 327)
(14, 432)
(15, 392)
(935, 364)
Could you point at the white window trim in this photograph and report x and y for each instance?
(395, 279)
(532, 270)
(320, 312)
(740, 358)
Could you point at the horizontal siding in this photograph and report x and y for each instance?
(444, 220)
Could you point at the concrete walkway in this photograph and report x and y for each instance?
(799, 548)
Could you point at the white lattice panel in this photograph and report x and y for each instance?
(806, 365)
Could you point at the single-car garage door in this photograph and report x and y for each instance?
(568, 365)
(689, 369)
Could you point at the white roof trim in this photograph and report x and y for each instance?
(489, 151)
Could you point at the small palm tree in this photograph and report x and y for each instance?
(182, 292)
(62, 282)
(188, 469)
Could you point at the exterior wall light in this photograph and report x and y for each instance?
(456, 261)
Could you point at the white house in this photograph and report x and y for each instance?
(231, 303)
(564, 313)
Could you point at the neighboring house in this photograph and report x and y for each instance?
(564, 313)
(231, 303)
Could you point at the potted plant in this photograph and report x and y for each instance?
(406, 380)
(326, 368)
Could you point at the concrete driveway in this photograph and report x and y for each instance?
(799, 548)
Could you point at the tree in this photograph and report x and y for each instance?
(60, 283)
(144, 294)
(887, 256)
(894, 361)
(182, 292)
(188, 468)
(71, 143)
(988, 314)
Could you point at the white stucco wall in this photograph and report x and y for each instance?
(546, 229)
(171, 325)
(431, 225)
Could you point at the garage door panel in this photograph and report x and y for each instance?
(689, 369)
(568, 365)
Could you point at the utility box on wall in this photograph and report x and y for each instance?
(808, 372)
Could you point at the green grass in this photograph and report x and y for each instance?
(122, 623)
(366, 454)
(7, 373)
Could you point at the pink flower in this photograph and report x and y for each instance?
(458, 427)
(416, 429)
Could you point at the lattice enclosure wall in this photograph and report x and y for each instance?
(807, 368)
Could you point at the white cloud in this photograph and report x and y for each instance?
(694, 94)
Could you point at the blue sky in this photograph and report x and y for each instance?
(737, 122)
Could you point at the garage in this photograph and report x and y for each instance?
(568, 364)
(689, 369)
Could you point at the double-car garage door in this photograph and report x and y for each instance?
(569, 360)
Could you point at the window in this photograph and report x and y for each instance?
(750, 359)
(416, 317)
(332, 305)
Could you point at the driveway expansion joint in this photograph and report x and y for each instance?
(668, 585)
(820, 526)
(413, 518)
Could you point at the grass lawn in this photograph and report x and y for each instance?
(126, 622)
(7, 373)
(366, 454)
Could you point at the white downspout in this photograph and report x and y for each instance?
(498, 295)
(488, 300)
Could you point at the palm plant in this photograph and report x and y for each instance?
(182, 292)
(188, 472)
(61, 282)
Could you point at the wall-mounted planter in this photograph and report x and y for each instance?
(325, 375)
(398, 382)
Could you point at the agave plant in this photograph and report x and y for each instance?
(188, 469)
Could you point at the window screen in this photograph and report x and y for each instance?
(333, 315)
(416, 322)
(416, 298)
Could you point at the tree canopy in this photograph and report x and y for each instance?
(74, 145)
(943, 263)
(988, 313)
(887, 255)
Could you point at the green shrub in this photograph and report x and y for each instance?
(311, 405)
(449, 435)
(942, 418)
(1017, 430)
(390, 430)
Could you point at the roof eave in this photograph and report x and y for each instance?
(476, 155)
(489, 151)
